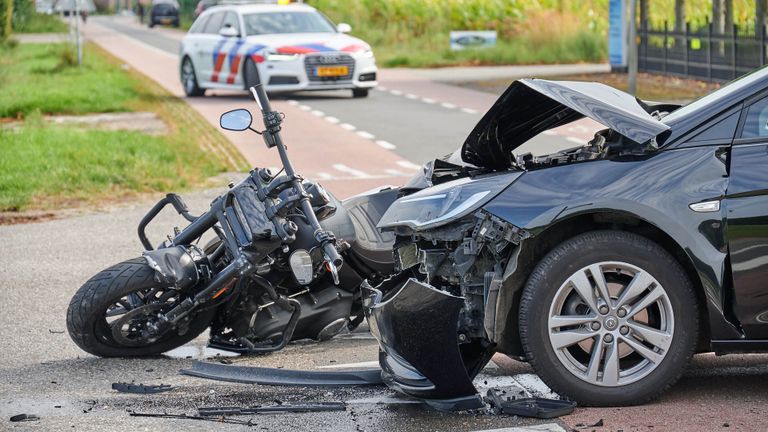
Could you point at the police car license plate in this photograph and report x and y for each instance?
(331, 71)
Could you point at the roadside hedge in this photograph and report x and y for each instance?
(6, 15)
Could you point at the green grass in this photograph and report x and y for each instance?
(40, 23)
(416, 33)
(44, 78)
(45, 166)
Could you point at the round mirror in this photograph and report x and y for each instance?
(343, 28)
(237, 120)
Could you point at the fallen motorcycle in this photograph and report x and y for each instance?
(286, 262)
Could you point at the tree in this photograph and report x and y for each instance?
(6, 14)
(680, 15)
(760, 10)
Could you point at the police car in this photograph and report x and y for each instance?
(286, 47)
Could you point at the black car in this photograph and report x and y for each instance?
(606, 266)
(164, 12)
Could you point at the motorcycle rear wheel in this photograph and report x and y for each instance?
(99, 326)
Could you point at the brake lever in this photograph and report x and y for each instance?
(333, 269)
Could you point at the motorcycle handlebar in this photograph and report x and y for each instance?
(329, 249)
(261, 98)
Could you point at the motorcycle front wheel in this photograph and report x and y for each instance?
(114, 314)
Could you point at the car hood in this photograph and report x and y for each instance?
(307, 43)
(531, 106)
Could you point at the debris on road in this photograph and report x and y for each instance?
(55, 331)
(528, 407)
(273, 409)
(191, 417)
(123, 387)
(24, 418)
(274, 376)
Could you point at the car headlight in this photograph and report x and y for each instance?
(445, 203)
(275, 57)
(367, 53)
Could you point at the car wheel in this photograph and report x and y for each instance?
(189, 79)
(608, 318)
(360, 92)
(250, 74)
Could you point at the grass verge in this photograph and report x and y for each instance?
(40, 23)
(43, 166)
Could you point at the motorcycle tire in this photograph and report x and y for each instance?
(87, 313)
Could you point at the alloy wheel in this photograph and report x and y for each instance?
(611, 324)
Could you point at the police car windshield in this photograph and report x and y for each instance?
(286, 22)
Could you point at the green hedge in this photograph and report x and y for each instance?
(6, 14)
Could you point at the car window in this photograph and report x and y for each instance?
(199, 24)
(756, 123)
(214, 23)
(230, 20)
(721, 130)
(286, 22)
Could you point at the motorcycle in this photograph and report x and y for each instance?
(286, 262)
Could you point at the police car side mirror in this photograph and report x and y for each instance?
(343, 28)
(228, 31)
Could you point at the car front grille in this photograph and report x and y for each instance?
(313, 61)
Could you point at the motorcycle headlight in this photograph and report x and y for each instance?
(445, 203)
(275, 57)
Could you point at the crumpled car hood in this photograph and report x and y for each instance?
(531, 106)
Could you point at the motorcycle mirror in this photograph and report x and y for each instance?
(236, 120)
(343, 28)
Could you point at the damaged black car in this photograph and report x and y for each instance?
(606, 266)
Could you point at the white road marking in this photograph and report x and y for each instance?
(411, 96)
(293, 102)
(469, 110)
(347, 126)
(386, 144)
(575, 140)
(380, 88)
(408, 164)
(549, 132)
(428, 100)
(368, 364)
(448, 105)
(546, 427)
(396, 173)
(365, 135)
(331, 119)
(356, 173)
(318, 113)
(305, 107)
(323, 176)
(396, 92)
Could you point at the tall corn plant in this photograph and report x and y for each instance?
(6, 15)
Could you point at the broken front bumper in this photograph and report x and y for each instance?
(416, 326)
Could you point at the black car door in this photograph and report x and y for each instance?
(747, 212)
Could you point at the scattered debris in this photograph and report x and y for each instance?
(528, 407)
(123, 387)
(24, 418)
(273, 409)
(276, 376)
(598, 423)
(191, 417)
(55, 331)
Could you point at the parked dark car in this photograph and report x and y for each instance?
(164, 12)
(606, 266)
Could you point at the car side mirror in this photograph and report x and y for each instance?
(228, 31)
(343, 28)
(236, 120)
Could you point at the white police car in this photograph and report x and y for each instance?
(287, 47)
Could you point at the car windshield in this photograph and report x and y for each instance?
(286, 22)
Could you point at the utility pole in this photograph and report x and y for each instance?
(78, 40)
(632, 49)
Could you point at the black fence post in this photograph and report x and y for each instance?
(666, 46)
(733, 50)
(687, 44)
(709, 52)
(762, 44)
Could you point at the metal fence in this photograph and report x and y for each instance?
(700, 53)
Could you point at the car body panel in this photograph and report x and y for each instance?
(220, 60)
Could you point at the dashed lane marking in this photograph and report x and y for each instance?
(386, 144)
(408, 164)
(318, 113)
(331, 119)
(348, 170)
(365, 135)
(448, 105)
(347, 126)
(575, 140)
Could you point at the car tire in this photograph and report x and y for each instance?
(189, 79)
(639, 354)
(177, 23)
(360, 92)
(250, 74)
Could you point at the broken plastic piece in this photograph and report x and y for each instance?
(123, 387)
(272, 376)
(529, 407)
(190, 417)
(273, 409)
(24, 418)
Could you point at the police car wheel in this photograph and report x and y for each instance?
(189, 79)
